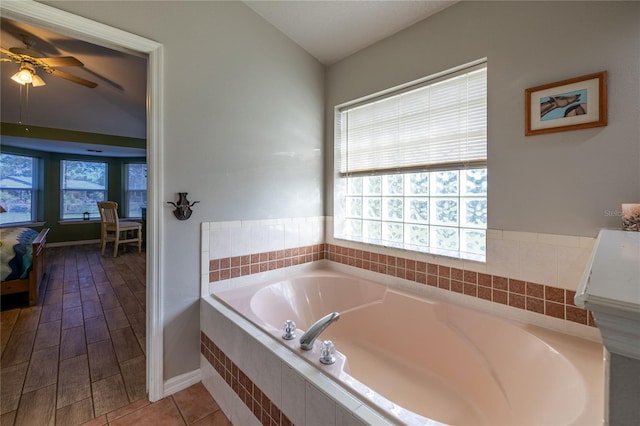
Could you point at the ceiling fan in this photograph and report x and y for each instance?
(31, 60)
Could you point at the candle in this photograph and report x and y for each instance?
(631, 217)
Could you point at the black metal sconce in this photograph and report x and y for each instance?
(183, 207)
(86, 216)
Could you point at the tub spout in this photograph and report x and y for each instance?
(307, 339)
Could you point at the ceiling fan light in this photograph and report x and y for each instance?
(22, 77)
(26, 75)
(36, 81)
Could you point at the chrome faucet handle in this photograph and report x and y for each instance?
(289, 330)
(327, 351)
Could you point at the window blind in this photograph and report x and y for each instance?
(437, 125)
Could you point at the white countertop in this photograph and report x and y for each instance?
(610, 288)
(612, 276)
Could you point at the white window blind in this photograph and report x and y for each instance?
(437, 125)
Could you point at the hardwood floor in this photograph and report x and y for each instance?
(79, 354)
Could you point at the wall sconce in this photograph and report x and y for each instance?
(183, 208)
(86, 216)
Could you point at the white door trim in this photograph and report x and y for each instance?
(47, 17)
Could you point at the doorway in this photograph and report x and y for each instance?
(44, 16)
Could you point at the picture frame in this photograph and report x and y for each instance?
(576, 103)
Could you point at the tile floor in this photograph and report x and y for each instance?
(192, 406)
(79, 354)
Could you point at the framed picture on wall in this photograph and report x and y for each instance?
(577, 103)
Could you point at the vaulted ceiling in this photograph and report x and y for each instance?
(332, 30)
(116, 106)
(328, 30)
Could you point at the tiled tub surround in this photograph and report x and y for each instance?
(536, 273)
(547, 300)
(243, 241)
(477, 364)
(237, 266)
(256, 380)
(542, 299)
(264, 410)
(506, 285)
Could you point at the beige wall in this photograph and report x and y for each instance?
(569, 183)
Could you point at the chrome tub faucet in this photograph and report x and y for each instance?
(307, 339)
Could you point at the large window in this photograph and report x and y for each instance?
(135, 189)
(17, 188)
(84, 183)
(411, 166)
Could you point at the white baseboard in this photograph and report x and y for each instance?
(183, 381)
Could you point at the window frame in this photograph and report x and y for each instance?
(35, 161)
(93, 211)
(126, 190)
(343, 218)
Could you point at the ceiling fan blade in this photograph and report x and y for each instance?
(73, 78)
(10, 54)
(25, 51)
(62, 61)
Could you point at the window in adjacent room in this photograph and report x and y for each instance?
(84, 183)
(411, 166)
(135, 189)
(18, 188)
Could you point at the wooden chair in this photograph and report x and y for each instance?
(116, 230)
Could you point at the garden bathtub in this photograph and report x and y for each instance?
(420, 360)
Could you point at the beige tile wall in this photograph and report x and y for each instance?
(537, 273)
